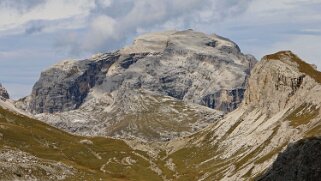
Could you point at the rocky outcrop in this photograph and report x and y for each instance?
(300, 161)
(185, 65)
(3, 93)
(276, 80)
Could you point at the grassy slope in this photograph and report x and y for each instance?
(204, 159)
(46, 142)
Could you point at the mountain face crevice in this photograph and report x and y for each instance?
(225, 100)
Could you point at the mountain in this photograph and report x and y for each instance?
(281, 106)
(3, 93)
(168, 134)
(7, 103)
(150, 90)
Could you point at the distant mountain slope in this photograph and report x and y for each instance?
(281, 106)
(141, 114)
(151, 90)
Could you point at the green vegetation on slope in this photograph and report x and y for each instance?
(303, 115)
(94, 159)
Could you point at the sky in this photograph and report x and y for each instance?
(35, 34)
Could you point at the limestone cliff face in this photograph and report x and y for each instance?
(3, 93)
(185, 65)
(275, 81)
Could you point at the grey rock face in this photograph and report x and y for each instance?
(300, 161)
(65, 86)
(3, 93)
(186, 65)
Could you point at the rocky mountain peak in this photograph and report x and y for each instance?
(161, 80)
(184, 41)
(292, 59)
(191, 66)
(3, 93)
(277, 78)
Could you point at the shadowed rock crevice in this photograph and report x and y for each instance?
(224, 100)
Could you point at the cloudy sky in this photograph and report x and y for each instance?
(35, 34)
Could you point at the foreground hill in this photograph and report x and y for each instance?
(151, 90)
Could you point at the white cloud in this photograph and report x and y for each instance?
(101, 29)
(106, 32)
(11, 18)
(104, 3)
